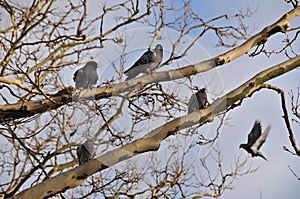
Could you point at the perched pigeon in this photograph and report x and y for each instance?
(255, 140)
(197, 101)
(86, 151)
(86, 76)
(147, 63)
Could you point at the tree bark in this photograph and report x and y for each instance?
(152, 140)
(30, 108)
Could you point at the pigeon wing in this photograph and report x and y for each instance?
(78, 75)
(141, 65)
(157, 56)
(259, 142)
(192, 104)
(78, 151)
(146, 58)
(79, 78)
(95, 80)
(254, 134)
(202, 99)
(91, 74)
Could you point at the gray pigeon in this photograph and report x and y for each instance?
(255, 140)
(86, 76)
(86, 151)
(147, 63)
(197, 101)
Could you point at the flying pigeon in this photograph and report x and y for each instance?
(147, 63)
(197, 101)
(255, 140)
(86, 76)
(86, 151)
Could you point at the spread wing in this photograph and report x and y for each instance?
(259, 142)
(254, 134)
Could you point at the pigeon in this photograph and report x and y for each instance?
(86, 76)
(255, 140)
(197, 101)
(86, 151)
(147, 63)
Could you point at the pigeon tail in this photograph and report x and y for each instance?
(130, 75)
(261, 155)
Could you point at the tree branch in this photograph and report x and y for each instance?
(285, 116)
(25, 109)
(152, 140)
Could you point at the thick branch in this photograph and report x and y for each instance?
(153, 139)
(279, 26)
(17, 83)
(25, 109)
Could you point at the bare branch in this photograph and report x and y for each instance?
(153, 139)
(285, 116)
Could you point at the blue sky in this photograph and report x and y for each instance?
(273, 179)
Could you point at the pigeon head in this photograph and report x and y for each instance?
(202, 90)
(89, 146)
(159, 47)
(85, 151)
(201, 95)
(92, 64)
(243, 146)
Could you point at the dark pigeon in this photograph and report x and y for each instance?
(197, 101)
(147, 63)
(86, 76)
(255, 140)
(86, 151)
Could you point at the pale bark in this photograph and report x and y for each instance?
(30, 108)
(152, 140)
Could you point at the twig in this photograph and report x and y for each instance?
(293, 172)
(285, 116)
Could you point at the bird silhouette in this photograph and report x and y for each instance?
(86, 76)
(85, 151)
(197, 101)
(256, 140)
(147, 63)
